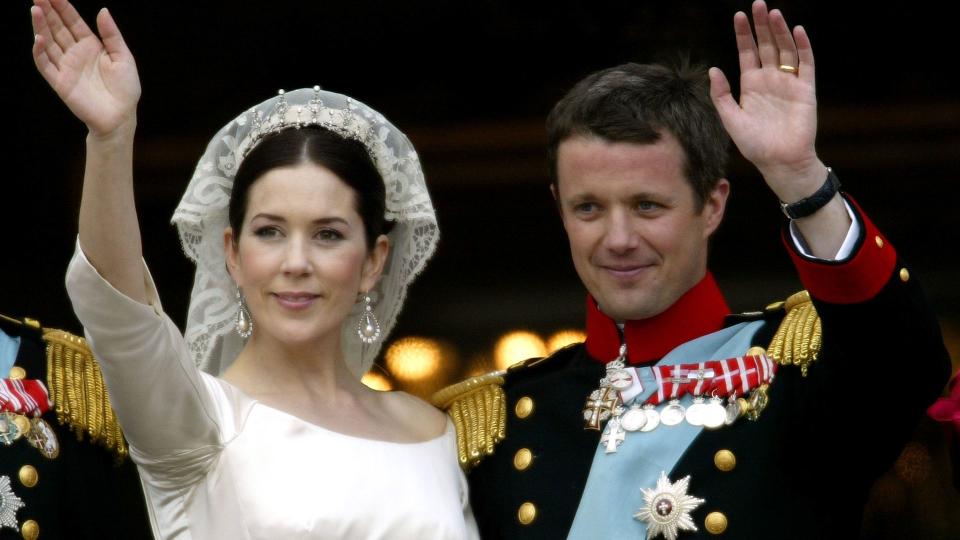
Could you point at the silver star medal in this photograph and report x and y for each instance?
(667, 508)
(9, 504)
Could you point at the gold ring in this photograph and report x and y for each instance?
(787, 69)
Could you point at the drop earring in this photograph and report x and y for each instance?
(368, 327)
(244, 323)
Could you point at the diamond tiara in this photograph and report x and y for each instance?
(341, 121)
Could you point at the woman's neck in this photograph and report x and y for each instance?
(267, 368)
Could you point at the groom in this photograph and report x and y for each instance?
(675, 418)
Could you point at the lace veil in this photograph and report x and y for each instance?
(201, 217)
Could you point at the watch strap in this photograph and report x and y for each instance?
(807, 206)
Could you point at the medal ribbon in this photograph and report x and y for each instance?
(719, 378)
(24, 396)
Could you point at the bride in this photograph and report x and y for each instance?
(307, 218)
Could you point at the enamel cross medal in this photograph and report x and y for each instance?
(604, 401)
(613, 435)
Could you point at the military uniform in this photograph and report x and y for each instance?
(73, 481)
(858, 365)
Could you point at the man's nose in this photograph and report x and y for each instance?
(620, 235)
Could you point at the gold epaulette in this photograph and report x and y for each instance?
(78, 392)
(798, 339)
(478, 408)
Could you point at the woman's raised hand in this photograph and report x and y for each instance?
(96, 77)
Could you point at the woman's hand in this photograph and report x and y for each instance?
(96, 77)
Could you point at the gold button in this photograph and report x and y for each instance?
(17, 372)
(527, 513)
(29, 476)
(725, 460)
(756, 351)
(879, 241)
(31, 322)
(904, 275)
(715, 523)
(524, 407)
(30, 530)
(522, 459)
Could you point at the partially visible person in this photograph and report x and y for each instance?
(299, 276)
(64, 472)
(676, 418)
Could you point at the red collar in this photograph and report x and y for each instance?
(698, 312)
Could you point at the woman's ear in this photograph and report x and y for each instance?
(230, 252)
(373, 266)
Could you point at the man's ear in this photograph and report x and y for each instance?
(715, 205)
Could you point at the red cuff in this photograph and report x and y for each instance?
(855, 280)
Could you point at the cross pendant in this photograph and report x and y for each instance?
(613, 437)
(599, 406)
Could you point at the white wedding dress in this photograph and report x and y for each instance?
(216, 464)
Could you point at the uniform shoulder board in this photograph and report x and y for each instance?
(478, 409)
(78, 392)
(798, 339)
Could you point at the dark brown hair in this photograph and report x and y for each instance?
(636, 103)
(346, 158)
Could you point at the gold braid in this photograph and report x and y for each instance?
(78, 392)
(478, 409)
(798, 339)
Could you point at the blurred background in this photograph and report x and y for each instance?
(471, 82)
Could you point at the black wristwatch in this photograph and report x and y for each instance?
(805, 207)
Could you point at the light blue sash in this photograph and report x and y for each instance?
(8, 352)
(612, 494)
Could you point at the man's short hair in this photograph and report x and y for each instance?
(635, 103)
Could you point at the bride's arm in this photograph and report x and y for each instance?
(96, 77)
(159, 395)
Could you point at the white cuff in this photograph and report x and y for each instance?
(846, 248)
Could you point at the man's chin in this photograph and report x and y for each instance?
(629, 311)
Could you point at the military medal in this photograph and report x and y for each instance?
(718, 379)
(599, 406)
(634, 419)
(9, 504)
(653, 418)
(606, 399)
(695, 412)
(714, 414)
(613, 435)
(43, 438)
(9, 430)
(732, 410)
(673, 413)
(23, 424)
(667, 508)
(618, 377)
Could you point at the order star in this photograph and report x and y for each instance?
(667, 509)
